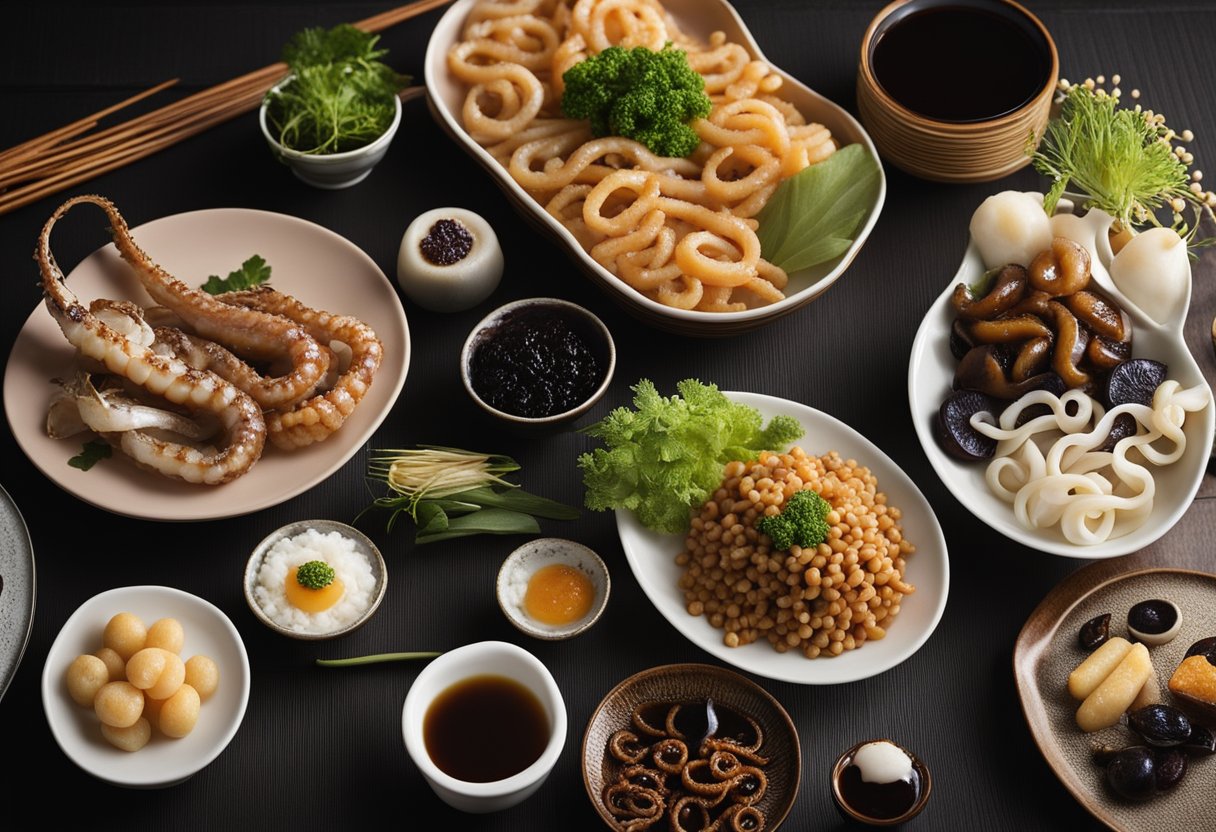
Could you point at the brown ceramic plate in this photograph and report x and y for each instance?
(693, 683)
(320, 268)
(1047, 651)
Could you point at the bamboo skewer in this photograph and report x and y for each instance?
(77, 127)
(70, 154)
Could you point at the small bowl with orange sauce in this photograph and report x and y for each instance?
(315, 579)
(552, 588)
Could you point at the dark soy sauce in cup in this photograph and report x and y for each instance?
(882, 801)
(485, 728)
(961, 63)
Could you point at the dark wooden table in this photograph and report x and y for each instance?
(322, 749)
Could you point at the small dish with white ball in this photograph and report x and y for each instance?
(449, 260)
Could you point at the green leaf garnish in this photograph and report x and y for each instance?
(91, 453)
(484, 521)
(665, 455)
(316, 574)
(253, 272)
(452, 493)
(813, 215)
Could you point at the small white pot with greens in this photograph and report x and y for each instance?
(332, 119)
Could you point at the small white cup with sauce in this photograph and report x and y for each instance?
(506, 698)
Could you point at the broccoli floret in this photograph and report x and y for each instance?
(803, 521)
(640, 94)
(316, 574)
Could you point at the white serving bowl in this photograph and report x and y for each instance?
(535, 555)
(930, 375)
(482, 658)
(331, 171)
(452, 287)
(362, 543)
(699, 18)
(163, 761)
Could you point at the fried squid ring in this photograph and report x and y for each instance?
(625, 746)
(670, 755)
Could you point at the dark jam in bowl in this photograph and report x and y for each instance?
(961, 63)
(882, 801)
(538, 360)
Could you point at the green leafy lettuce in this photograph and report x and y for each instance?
(665, 455)
(813, 216)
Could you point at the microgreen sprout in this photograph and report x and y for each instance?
(1126, 161)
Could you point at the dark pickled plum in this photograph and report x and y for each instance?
(1171, 767)
(1094, 632)
(1160, 725)
(1134, 382)
(1204, 647)
(954, 431)
(1201, 742)
(1132, 773)
(1125, 425)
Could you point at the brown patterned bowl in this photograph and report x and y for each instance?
(950, 151)
(692, 684)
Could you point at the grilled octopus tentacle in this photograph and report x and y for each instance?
(243, 428)
(316, 418)
(250, 333)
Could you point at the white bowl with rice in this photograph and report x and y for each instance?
(357, 567)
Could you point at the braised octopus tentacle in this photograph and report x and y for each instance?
(241, 423)
(316, 418)
(251, 333)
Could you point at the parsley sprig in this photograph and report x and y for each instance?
(253, 272)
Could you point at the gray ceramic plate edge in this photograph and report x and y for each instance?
(18, 576)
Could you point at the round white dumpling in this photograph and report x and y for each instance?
(1010, 227)
(1152, 270)
(449, 260)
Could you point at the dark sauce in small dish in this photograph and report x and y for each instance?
(1153, 617)
(882, 801)
(963, 62)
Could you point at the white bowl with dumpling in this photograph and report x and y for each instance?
(170, 738)
(1042, 507)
